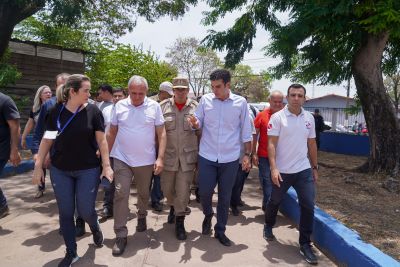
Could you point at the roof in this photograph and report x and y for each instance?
(51, 46)
(330, 95)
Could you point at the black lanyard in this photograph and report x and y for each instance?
(60, 130)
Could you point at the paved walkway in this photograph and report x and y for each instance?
(29, 235)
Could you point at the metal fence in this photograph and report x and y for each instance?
(338, 116)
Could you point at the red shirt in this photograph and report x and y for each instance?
(180, 106)
(261, 123)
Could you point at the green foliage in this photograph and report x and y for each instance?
(8, 73)
(318, 42)
(356, 108)
(115, 65)
(247, 83)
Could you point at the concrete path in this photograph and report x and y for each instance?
(29, 235)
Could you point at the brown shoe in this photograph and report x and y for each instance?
(119, 246)
(39, 194)
(141, 226)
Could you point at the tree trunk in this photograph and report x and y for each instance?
(383, 125)
(11, 13)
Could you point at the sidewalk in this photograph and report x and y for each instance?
(29, 235)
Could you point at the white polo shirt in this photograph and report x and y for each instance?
(107, 112)
(293, 132)
(135, 143)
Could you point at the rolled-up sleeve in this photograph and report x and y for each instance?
(199, 113)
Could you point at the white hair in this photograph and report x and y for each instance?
(275, 92)
(37, 102)
(136, 79)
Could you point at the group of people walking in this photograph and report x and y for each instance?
(215, 141)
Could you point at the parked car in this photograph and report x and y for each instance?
(339, 128)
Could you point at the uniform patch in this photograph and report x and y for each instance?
(308, 125)
(269, 126)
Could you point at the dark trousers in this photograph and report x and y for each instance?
(3, 200)
(238, 186)
(317, 138)
(156, 193)
(213, 173)
(75, 187)
(303, 183)
(108, 200)
(265, 178)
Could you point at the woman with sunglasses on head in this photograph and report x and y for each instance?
(42, 95)
(74, 132)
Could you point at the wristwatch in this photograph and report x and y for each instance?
(248, 154)
(316, 167)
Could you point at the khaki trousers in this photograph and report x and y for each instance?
(123, 174)
(176, 188)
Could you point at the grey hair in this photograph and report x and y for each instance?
(37, 102)
(275, 92)
(136, 79)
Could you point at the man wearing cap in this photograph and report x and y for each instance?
(156, 195)
(181, 152)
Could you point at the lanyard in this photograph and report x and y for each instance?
(60, 130)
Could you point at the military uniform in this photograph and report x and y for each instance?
(181, 154)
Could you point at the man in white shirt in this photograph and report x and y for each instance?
(108, 201)
(135, 122)
(291, 149)
(225, 123)
(106, 94)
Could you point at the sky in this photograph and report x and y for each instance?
(160, 35)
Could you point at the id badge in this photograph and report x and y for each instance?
(50, 135)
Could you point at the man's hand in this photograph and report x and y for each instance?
(23, 143)
(254, 160)
(15, 157)
(108, 173)
(158, 166)
(246, 163)
(276, 177)
(194, 123)
(315, 175)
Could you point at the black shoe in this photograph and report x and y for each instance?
(241, 203)
(235, 211)
(263, 207)
(4, 211)
(60, 231)
(267, 233)
(308, 254)
(223, 239)
(98, 237)
(206, 227)
(196, 192)
(171, 215)
(79, 227)
(157, 206)
(106, 213)
(70, 258)
(180, 231)
(119, 246)
(141, 226)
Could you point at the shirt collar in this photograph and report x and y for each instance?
(144, 104)
(231, 96)
(288, 113)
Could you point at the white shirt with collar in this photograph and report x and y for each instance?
(293, 132)
(225, 127)
(135, 143)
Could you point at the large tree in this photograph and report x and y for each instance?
(105, 17)
(327, 42)
(392, 84)
(194, 61)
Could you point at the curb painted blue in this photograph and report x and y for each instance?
(342, 244)
(25, 166)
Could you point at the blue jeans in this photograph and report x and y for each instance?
(156, 193)
(3, 200)
(213, 173)
(303, 183)
(265, 178)
(238, 186)
(80, 186)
